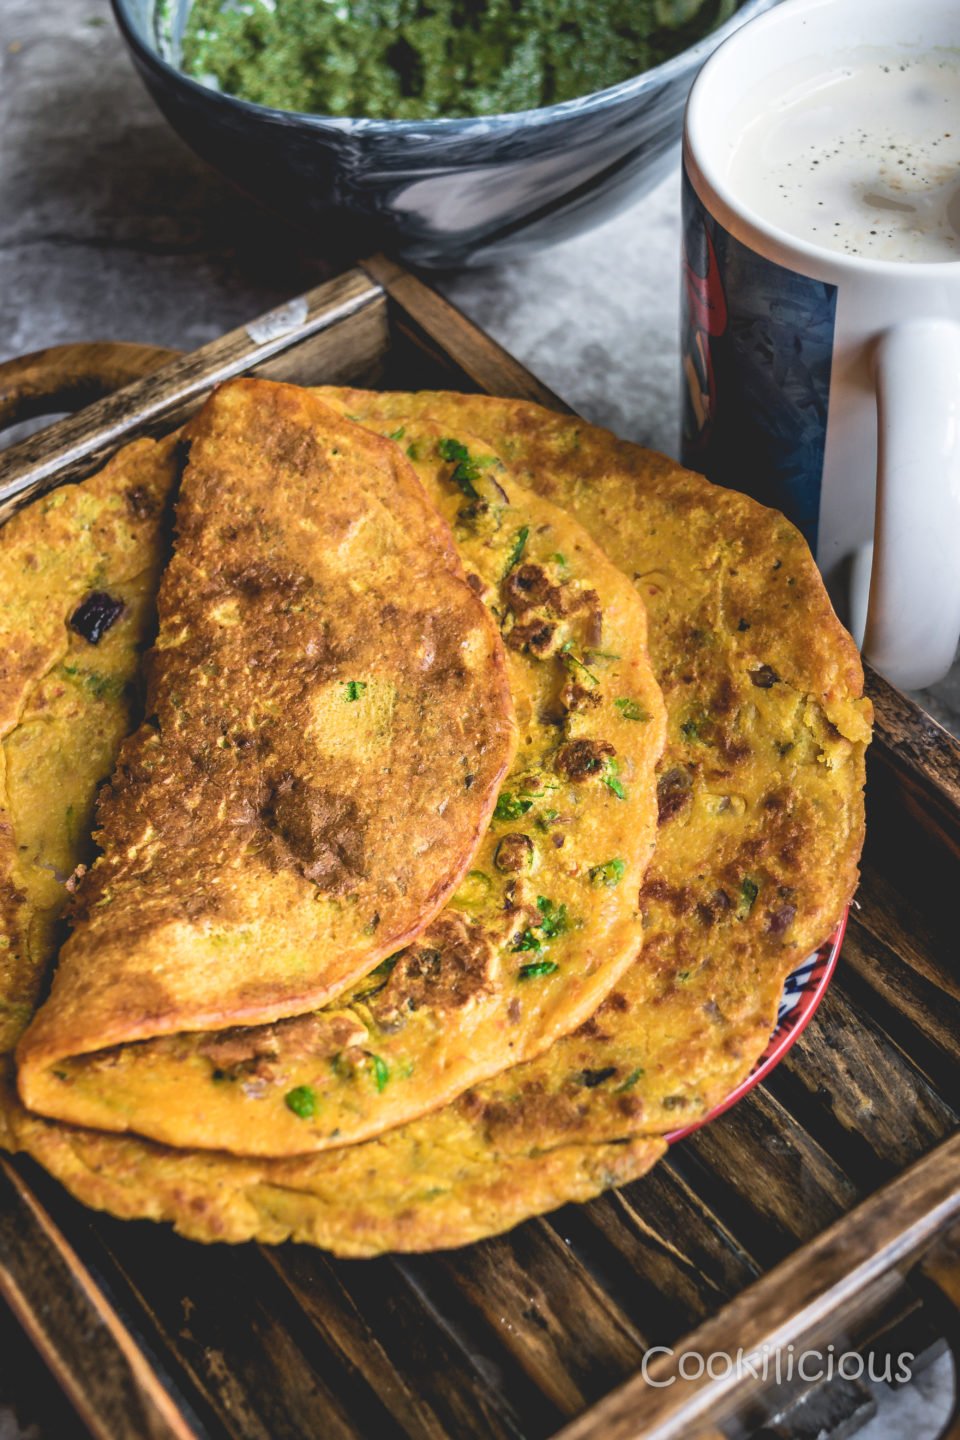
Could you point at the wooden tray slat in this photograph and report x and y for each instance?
(910, 923)
(118, 1396)
(424, 1343)
(574, 1342)
(924, 757)
(371, 1317)
(859, 1095)
(917, 1015)
(773, 1184)
(668, 1262)
(488, 1354)
(245, 1344)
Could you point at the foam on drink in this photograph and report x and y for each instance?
(862, 157)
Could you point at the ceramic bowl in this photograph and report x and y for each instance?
(439, 193)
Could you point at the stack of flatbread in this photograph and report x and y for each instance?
(411, 808)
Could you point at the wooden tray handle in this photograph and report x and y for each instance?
(67, 377)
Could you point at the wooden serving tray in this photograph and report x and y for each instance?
(817, 1210)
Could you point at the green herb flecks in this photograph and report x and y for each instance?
(609, 874)
(630, 710)
(537, 968)
(611, 778)
(302, 1100)
(692, 729)
(413, 451)
(398, 434)
(466, 470)
(101, 687)
(553, 918)
(464, 476)
(510, 806)
(519, 545)
(560, 559)
(630, 1081)
(749, 890)
(572, 662)
(354, 689)
(526, 940)
(381, 1072)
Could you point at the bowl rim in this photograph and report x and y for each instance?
(694, 55)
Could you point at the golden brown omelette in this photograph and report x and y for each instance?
(543, 925)
(79, 571)
(521, 1143)
(402, 1191)
(328, 722)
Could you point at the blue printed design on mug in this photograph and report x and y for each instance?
(757, 342)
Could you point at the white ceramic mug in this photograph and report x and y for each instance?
(869, 466)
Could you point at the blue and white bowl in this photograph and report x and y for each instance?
(436, 192)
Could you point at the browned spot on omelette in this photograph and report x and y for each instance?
(452, 964)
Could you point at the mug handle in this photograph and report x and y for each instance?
(913, 619)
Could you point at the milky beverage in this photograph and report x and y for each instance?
(861, 157)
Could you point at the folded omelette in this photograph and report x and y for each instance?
(761, 818)
(328, 720)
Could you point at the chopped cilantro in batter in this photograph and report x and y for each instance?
(609, 874)
(553, 920)
(381, 1071)
(537, 968)
(511, 807)
(611, 778)
(519, 545)
(466, 469)
(630, 710)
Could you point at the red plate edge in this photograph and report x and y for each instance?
(787, 1031)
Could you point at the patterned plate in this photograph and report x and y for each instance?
(803, 990)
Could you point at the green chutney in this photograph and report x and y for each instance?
(421, 59)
